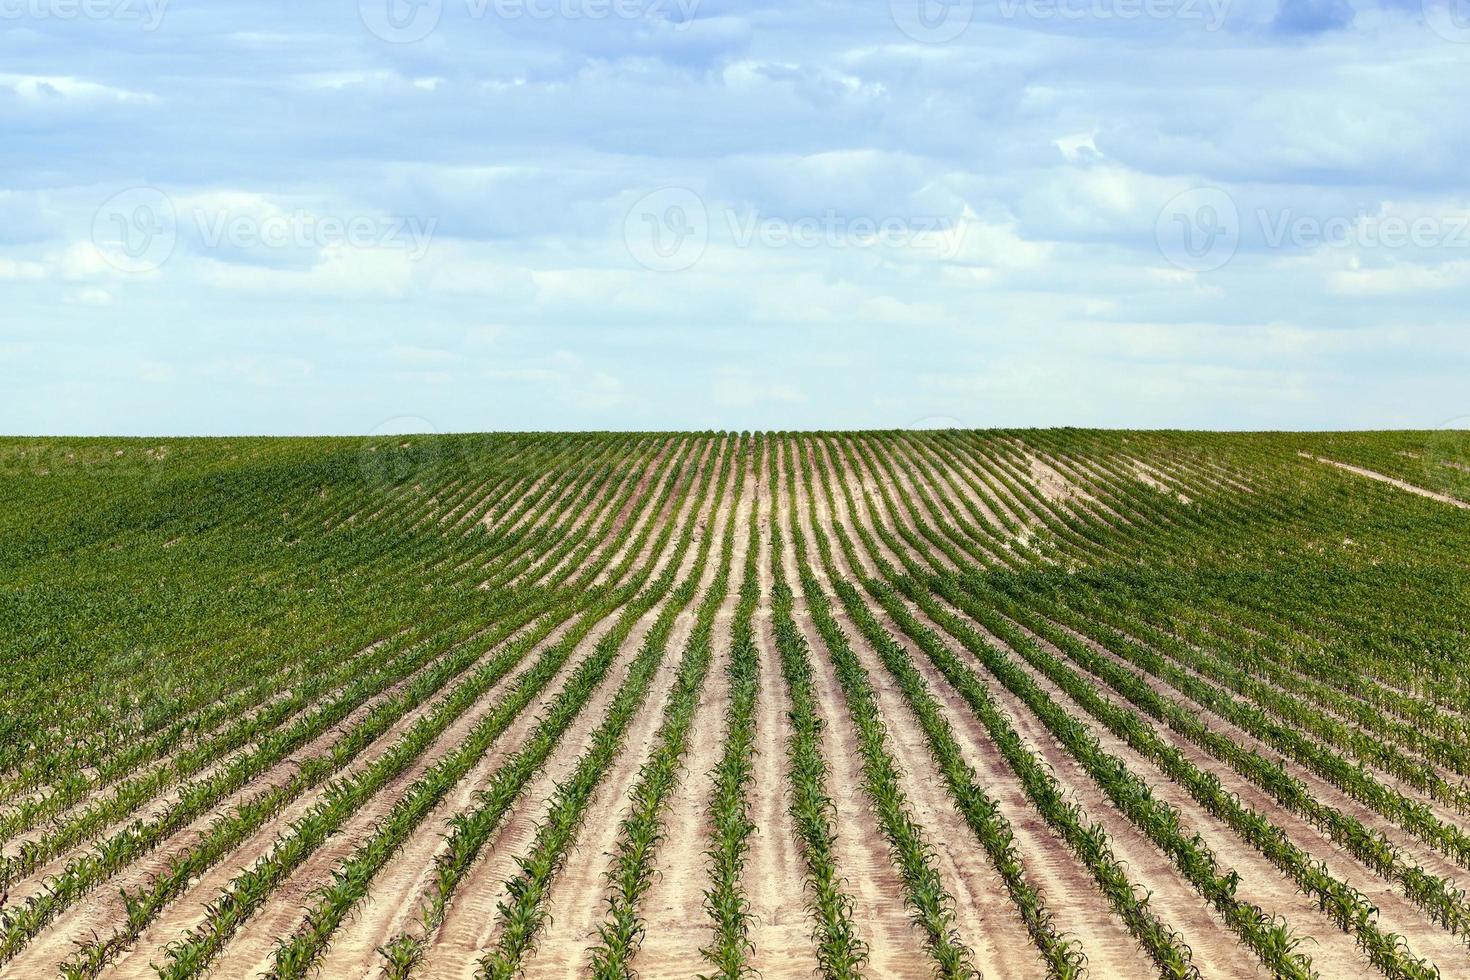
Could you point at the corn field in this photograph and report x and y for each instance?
(953, 704)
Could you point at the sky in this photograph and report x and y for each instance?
(367, 216)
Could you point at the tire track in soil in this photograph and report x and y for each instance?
(880, 914)
(673, 908)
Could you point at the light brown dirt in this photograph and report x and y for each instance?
(985, 918)
(774, 882)
(959, 494)
(105, 907)
(404, 884)
(1443, 498)
(879, 914)
(673, 909)
(471, 922)
(1079, 909)
(1393, 906)
(1333, 951)
(577, 900)
(189, 910)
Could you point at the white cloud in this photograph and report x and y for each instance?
(38, 88)
(14, 269)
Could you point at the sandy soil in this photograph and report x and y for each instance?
(985, 918)
(1080, 911)
(774, 882)
(880, 917)
(673, 910)
(954, 490)
(1443, 498)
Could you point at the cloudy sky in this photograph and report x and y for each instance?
(392, 215)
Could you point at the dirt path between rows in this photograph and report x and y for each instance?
(1396, 912)
(774, 881)
(985, 917)
(1443, 498)
(471, 922)
(1078, 908)
(1433, 860)
(577, 901)
(104, 910)
(861, 852)
(189, 910)
(401, 888)
(1332, 950)
(673, 909)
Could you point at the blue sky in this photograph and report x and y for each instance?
(390, 215)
